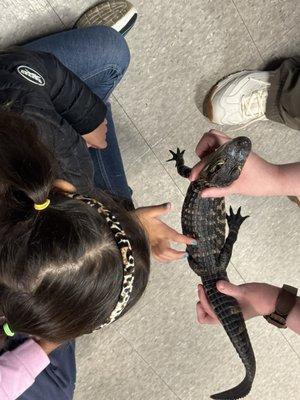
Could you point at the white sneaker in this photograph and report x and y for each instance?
(238, 99)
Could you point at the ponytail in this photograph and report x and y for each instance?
(27, 167)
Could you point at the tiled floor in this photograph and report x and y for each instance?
(179, 49)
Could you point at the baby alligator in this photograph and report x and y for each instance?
(204, 219)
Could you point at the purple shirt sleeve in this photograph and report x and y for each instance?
(19, 368)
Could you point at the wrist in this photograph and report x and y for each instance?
(261, 298)
(271, 296)
(288, 179)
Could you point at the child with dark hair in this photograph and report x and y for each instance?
(72, 257)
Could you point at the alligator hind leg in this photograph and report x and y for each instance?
(182, 169)
(234, 222)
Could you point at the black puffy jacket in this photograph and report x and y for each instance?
(38, 86)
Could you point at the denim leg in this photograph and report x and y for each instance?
(109, 171)
(99, 56)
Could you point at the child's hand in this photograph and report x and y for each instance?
(97, 138)
(160, 235)
(254, 299)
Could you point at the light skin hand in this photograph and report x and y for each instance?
(97, 138)
(255, 299)
(258, 177)
(160, 234)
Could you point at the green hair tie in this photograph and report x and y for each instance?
(7, 330)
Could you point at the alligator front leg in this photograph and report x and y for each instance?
(234, 222)
(182, 169)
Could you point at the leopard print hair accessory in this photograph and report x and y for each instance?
(125, 248)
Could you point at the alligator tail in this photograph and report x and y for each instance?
(229, 314)
(235, 393)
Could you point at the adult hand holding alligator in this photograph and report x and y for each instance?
(258, 177)
(255, 299)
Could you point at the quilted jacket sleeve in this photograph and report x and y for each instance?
(72, 98)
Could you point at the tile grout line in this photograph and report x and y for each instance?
(130, 119)
(55, 12)
(238, 11)
(149, 365)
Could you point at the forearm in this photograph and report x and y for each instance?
(262, 178)
(289, 179)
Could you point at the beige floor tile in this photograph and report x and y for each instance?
(16, 17)
(268, 21)
(293, 340)
(178, 52)
(109, 368)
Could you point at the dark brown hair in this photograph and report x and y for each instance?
(60, 270)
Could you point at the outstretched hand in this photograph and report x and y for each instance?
(160, 234)
(258, 177)
(254, 299)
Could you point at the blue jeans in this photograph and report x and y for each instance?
(99, 56)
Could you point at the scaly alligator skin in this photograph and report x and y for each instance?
(204, 219)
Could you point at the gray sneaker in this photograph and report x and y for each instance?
(118, 14)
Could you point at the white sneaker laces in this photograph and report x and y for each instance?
(253, 107)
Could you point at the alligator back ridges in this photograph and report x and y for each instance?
(229, 313)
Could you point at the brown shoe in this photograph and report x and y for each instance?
(118, 14)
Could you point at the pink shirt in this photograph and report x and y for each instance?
(19, 368)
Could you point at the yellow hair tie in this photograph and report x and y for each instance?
(41, 207)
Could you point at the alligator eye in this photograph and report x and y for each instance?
(217, 166)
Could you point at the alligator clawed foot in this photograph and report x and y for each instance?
(178, 156)
(235, 220)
